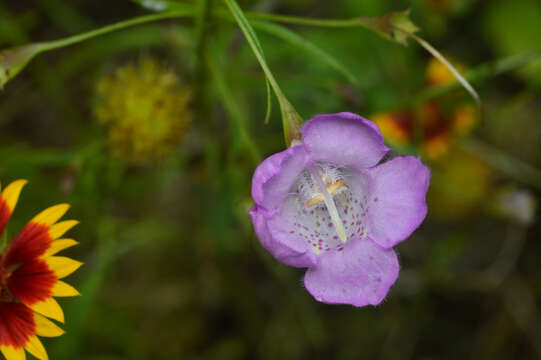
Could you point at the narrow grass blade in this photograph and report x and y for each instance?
(304, 44)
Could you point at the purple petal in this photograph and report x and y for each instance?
(275, 176)
(288, 249)
(397, 203)
(359, 275)
(344, 139)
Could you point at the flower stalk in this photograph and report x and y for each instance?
(13, 60)
(201, 22)
(451, 68)
(291, 120)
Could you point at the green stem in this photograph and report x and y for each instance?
(201, 22)
(257, 53)
(203, 103)
(13, 60)
(480, 73)
(295, 20)
(202, 13)
(369, 23)
(113, 27)
(201, 17)
(449, 66)
(291, 120)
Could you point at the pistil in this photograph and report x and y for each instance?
(329, 203)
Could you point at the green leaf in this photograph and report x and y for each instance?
(269, 103)
(252, 34)
(302, 43)
(291, 120)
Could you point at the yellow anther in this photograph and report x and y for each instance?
(331, 189)
(329, 203)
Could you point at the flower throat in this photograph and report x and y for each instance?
(319, 183)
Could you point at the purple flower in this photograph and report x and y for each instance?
(328, 204)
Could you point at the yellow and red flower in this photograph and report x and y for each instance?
(30, 274)
(399, 128)
(437, 123)
(438, 73)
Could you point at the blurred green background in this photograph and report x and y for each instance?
(173, 269)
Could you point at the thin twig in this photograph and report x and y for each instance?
(451, 68)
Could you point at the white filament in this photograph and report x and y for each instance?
(329, 203)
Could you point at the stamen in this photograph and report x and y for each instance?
(331, 188)
(329, 202)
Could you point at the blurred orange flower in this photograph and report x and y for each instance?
(432, 125)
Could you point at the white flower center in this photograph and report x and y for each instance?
(328, 213)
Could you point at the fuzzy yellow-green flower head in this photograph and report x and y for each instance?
(145, 109)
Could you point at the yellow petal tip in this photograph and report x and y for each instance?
(12, 191)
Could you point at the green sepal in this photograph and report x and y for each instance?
(13, 60)
(291, 122)
(394, 26)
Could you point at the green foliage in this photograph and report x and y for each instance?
(291, 120)
(512, 28)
